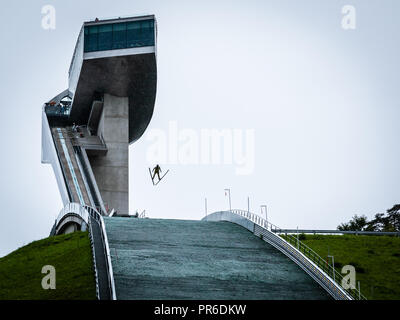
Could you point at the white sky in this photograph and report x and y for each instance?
(323, 102)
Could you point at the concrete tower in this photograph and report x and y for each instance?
(87, 129)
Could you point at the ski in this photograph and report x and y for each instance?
(151, 177)
(162, 177)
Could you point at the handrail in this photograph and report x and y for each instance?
(301, 249)
(74, 208)
(323, 264)
(110, 275)
(96, 275)
(315, 231)
(90, 215)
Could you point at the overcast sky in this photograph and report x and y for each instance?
(323, 103)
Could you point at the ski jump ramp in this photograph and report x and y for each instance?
(229, 255)
(201, 260)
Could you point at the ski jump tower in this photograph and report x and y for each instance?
(87, 129)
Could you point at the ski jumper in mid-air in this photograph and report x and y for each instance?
(156, 171)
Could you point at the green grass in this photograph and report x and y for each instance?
(21, 277)
(376, 259)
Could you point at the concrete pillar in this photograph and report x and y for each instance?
(71, 229)
(112, 170)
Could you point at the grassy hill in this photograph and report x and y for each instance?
(21, 277)
(377, 262)
(376, 259)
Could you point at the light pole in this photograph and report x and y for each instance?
(248, 205)
(229, 193)
(205, 206)
(333, 266)
(265, 209)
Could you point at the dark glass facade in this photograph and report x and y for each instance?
(119, 35)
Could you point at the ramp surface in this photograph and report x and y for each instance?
(177, 259)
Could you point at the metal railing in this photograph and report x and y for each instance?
(98, 219)
(58, 110)
(94, 221)
(303, 249)
(73, 208)
(96, 275)
(357, 233)
(322, 264)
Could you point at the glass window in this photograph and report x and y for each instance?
(132, 34)
(105, 37)
(119, 35)
(86, 35)
(147, 28)
(91, 39)
(145, 24)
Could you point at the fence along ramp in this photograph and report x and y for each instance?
(301, 254)
(105, 287)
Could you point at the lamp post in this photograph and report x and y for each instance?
(205, 206)
(333, 266)
(265, 209)
(230, 202)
